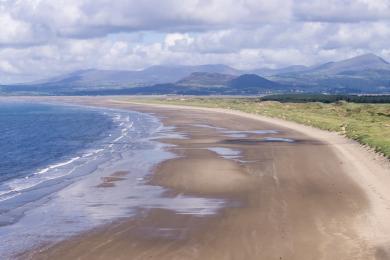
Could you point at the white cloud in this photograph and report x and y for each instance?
(7, 67)
(14, 31)
(40, 38)
(335, 11)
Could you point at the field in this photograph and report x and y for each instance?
(368, 124)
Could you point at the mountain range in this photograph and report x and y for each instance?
(365, 73)
(362, 74)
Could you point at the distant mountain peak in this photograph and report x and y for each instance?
(205, 79)
(365, 62)
(368, 57)
(252, 81)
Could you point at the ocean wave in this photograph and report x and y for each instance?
(18, 186)
(54, 166)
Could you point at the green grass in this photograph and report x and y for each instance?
(326, 98)
(368, 124)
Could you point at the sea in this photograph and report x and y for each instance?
(53, 158)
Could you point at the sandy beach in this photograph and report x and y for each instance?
(290, 192)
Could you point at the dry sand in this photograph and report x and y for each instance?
(321, 197)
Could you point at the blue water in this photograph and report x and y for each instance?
(43, 147)
(35, 135)
(46, 147)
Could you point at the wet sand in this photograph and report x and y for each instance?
(109, 181)
(308, 199)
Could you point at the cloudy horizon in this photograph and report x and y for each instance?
(44, 38)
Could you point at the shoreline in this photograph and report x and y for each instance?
(67, 182)
(362, 200)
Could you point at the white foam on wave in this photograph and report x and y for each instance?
(18, 185)
(124, 131)
(54, 166)
(93, 153)
(15, 187)
(9, 195)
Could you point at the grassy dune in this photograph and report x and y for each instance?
(368, 124)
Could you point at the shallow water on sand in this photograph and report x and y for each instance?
(225, 152)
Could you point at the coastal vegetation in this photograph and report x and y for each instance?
(315, 97)
(367, 123)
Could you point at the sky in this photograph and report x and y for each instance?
(43, 38)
